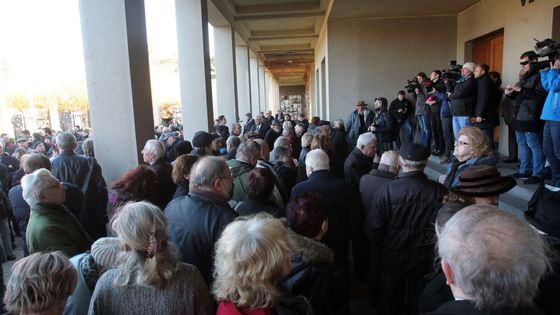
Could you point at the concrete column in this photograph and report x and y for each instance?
(254, 77)
(194, 66)
(243, 82)
(273, 94)
(224, 47)
(118, 81)
(262, 89)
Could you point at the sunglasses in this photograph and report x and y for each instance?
(524, 63)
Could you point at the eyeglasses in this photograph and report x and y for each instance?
(524, 63)
(459, 142)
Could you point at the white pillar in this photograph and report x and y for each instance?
(262, 89)
(254, 75)
(243, 82)
(194, 66)
(224, 48)
(118, 81)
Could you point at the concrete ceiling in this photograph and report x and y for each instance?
(346, 9)
(283, 33)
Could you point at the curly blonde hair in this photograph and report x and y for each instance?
(252, 256)
(38, 282)
(478, 140)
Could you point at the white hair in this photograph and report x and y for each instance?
(282, 142)
(317, 160)
(156, 148)
(497, 260)
(33, 184)
(364, 139)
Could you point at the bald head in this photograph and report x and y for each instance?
(391, 161)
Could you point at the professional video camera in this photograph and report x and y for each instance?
(411, 85)
(449, 76)
(546, 48)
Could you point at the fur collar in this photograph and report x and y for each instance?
(309, 250)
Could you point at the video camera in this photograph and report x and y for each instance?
(411, 85)
(546, 48)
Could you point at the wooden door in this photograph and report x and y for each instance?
(489, 50)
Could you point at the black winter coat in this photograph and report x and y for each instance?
(529, 104)
(85, 173)
(195, 222)
(165, 187)
(466, 307)
(485, 102)
(357, 165)
(463, 98)
(342, 200)
(399, 224)
(314, 276)
(385, 126)
(404, 105)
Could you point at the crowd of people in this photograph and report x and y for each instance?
(279, 216)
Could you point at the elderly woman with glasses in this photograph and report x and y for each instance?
(471, 148)
(51, 225)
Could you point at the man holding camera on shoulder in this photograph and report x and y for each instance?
(550, 79)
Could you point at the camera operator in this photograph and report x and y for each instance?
(400, 108)
(529, 97)
(463, 99)
(485, 109)
(435, 112)
(550, 79)
(422, 111)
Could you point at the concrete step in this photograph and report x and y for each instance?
(514, 201)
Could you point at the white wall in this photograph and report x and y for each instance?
(321, 52)
(368, 58)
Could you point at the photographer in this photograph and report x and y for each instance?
(384, 126)
(422, 111)
(399, 109)
(529, 98)
(550, 79)
(463, 99)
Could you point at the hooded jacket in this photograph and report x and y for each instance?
(314, 276)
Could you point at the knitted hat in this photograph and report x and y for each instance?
(202, 139)
(106, 250)
(469, 65)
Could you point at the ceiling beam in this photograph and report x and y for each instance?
(275, 16)
(278, 7)
(303, 31)
(285, 47)
(259, 38)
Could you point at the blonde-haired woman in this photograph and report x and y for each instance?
(40, 284)
(471, 148)
(149, 279)
(252, 257)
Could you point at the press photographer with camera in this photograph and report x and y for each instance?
(529, 96)
(550, 79)
(435, 103)
(463, 98)
(400, 108)
(422, 111)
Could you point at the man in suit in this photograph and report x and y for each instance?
(339, 195)
(261, 127)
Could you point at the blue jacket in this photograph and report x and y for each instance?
(550, 80)
(455, 168)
